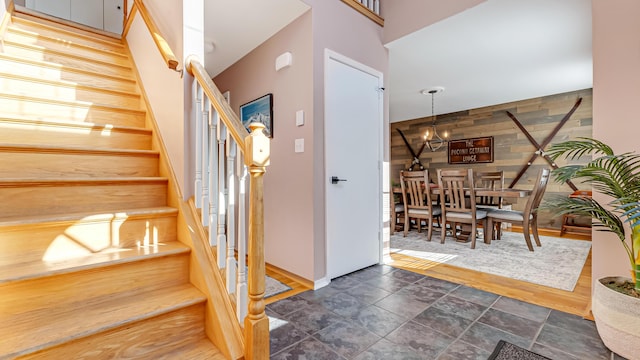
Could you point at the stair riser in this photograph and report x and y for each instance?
(65, 60)
(20, 298)
(65, 46)
(65, 240)
(35, 134)
(68, 92)
(61, 165)
(58, 73)
(40, 200)
(34, 108)
(148, 339)
(68, 36)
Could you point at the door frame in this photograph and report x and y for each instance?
(330, 55)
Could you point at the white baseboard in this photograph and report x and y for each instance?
(321, 283)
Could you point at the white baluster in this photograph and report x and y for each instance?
(212, 221)
(199, 149)
(231, 211)
(206, 170)
(222, 196)
(242, 294)
(376, 6)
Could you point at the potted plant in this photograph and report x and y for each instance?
(616, 300)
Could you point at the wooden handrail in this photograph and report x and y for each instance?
(230, 119)
(164, 48)
(365, 11)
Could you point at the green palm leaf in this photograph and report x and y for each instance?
(615, 176)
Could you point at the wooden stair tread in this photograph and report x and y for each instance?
(42, 28)
(59, 323)
(44, 49)
(72, 180)
(36, 18)
(71, 104)
(89, 216)
(77, 150)
(14, 270)
(202, 349)
(66, 84)
(71, 123)
(67, 43)
(56, 66)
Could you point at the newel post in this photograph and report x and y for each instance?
(256, 323)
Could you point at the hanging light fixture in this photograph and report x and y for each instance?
(431, 137)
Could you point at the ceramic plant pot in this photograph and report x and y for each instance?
(617, 318)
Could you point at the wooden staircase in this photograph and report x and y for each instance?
(90, 262)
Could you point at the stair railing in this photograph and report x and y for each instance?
(225, 155)
(368, 8)
(219, 169)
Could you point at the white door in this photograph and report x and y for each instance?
(353, 148)
(113, 15)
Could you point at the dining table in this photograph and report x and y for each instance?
(504, 193)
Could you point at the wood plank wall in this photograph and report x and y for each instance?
(512, 149)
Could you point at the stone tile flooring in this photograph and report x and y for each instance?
(387, 313)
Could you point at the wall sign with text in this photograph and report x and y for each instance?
(471, 151)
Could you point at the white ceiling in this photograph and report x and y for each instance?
(496, 52)
(235, 27)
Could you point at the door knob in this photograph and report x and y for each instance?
(335, 180)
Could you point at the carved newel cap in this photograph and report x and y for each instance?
(257, 146)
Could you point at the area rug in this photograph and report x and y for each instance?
(274, 287)
(557, 263)
(508, 351)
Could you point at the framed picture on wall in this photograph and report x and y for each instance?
(259, 110)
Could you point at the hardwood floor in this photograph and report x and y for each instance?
(576, 302)
(296, 283)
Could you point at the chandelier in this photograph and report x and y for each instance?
(431, 137)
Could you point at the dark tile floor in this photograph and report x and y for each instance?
(387, 313)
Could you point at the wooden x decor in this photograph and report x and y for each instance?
(416, 157)
(540, 147)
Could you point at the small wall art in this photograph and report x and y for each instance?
(259, 110)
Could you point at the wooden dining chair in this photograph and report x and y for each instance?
(458, 201)
(397, 213)
(493, 180)
(527, 218)
(568, 220)
(416, 196)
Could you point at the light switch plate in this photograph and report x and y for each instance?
(299, 145)
(299, 117)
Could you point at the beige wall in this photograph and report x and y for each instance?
(402, 17)
(616, 90)
(288, 201)
(163, 87)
